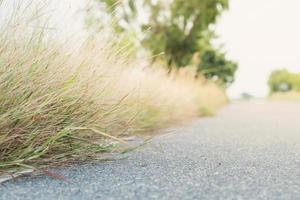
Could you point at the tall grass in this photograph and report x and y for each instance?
(59, 106)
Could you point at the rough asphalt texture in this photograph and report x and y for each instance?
(249, 151)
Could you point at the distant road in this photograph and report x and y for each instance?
(250, 150)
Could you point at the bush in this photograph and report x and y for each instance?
(283, 81)
(215, 66)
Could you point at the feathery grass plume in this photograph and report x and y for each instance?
(63, 105)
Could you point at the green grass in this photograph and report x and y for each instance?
(60, 105)
(58, 108)
(54, 107)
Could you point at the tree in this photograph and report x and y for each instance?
(214, 65)
(283, 80)
(176, 28)
(172, 26)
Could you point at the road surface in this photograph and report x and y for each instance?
(249, 151)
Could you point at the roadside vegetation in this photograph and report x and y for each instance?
(60, 104)
(284, 85)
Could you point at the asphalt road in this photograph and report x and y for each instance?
(249, 151)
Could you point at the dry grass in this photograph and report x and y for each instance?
(285, 96)
(171, 98)
(59, 106)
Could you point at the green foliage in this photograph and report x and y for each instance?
(214, 65)
(180, 29)
(176, 25)
(283, 81)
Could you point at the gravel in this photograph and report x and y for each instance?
(251, 150)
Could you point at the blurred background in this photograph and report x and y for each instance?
(261, 36)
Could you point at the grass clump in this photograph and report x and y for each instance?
(59, 106)
(51, 103)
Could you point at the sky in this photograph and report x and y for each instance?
(64, 18)
(67, 17)
(261, 35)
